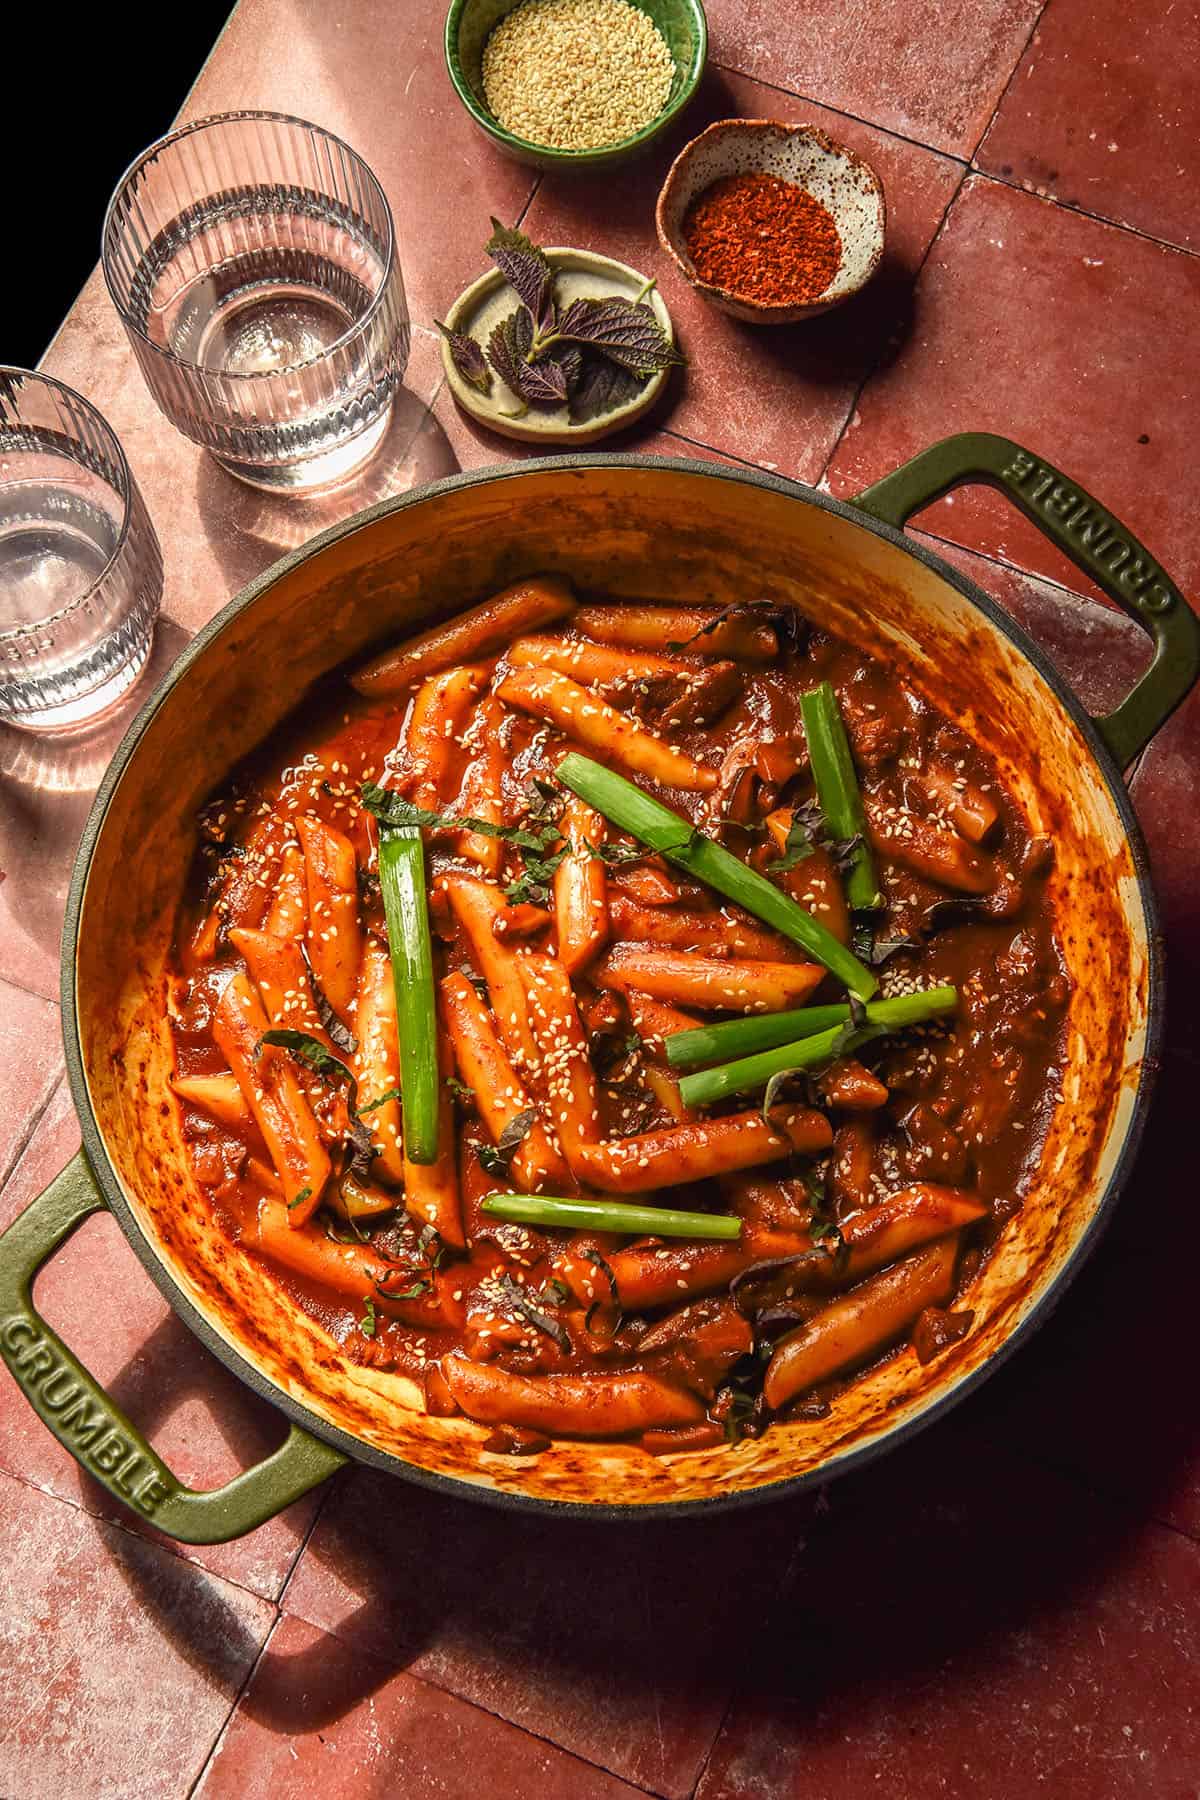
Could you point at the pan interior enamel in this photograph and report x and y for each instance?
(654, 531)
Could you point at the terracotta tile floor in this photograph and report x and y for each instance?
(1063, 333)
(778, 398)
(320, 1718)
(1009, 1605)
(932, 70)
(1113, 133)
(120, 1663)
(641, 1692)
(974, 1624)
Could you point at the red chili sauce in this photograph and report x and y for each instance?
(920, 1143)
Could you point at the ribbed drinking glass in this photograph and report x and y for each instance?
(252, 258)
(80, 567)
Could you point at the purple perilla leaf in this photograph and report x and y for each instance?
(602, 387)
(525, 267)
(551, 376)
(467, 357)
(509, 341)
(627, 334)
(544, 382)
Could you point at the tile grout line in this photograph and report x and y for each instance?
(539, 1737)
(772, 1611)
(27, 1136)
(1001, 562)
(169, 1546)
(325, 1492)
(981, 175)
(402, 1669)
(174, 1546)
(251, 1672)
(34, 993)
(743, 462)
(1082, 212)
(401, 1672)
(970, 169)
(1059, 587)
(976, 168)
(969, 162)
(1104, 1496)
(1012, 76)
(734, 1696)
(868, 376)
(739, 1688)
(1050, 581)
(988, 556)
(901, 137)
(529, 200)
(1113, 1498)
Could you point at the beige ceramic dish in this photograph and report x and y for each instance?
(843, 183)
(580, 274)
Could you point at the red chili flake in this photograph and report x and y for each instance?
(763, 239)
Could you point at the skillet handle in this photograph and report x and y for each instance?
(1095, 541)
(87, 1423)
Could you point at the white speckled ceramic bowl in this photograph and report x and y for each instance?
(839, 179)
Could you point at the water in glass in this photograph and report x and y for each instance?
(253, 261)
(80, 571)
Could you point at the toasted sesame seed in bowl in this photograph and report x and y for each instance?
(577, 74)
(562, 83)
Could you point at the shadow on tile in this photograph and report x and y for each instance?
(248, 529)
(504, 1610)
(623, 1643)
(301, 1698)
(304, 1698)
(976, 1623)
(1093, 1394)
(248, 1430)
(849, 342)
(170, 1372)
(618, 1643)
(46, 788)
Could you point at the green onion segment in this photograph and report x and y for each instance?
(677, 839)
(750, 1072)
(745, 1037)
(610, 1215)
(402, 878)
(838, 791)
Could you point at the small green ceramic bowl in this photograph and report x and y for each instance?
(470, 23)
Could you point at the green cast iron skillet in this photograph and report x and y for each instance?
(76, 1408)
